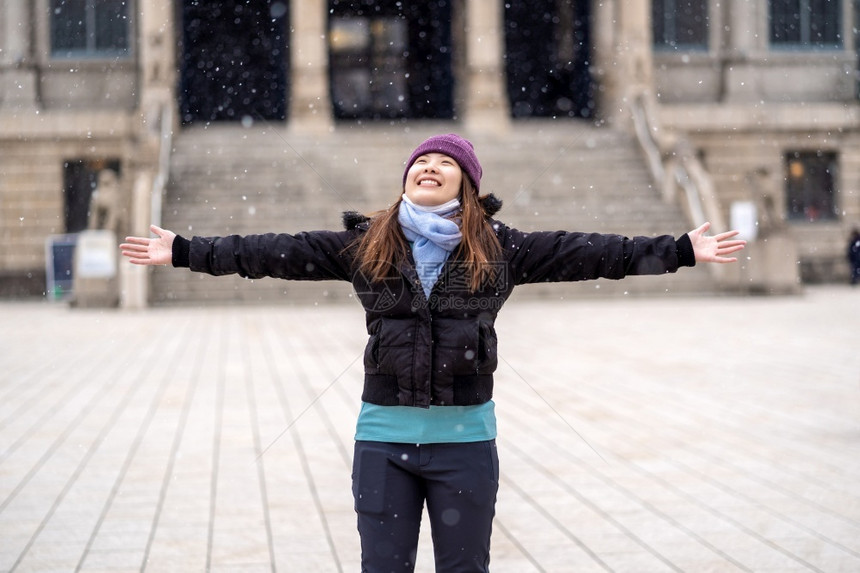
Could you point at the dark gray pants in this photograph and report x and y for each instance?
(459, 482)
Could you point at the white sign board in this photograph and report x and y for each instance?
(745, 219)
(95, 255)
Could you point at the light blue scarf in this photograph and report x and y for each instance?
(433, 237)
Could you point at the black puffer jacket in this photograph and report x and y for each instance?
(440, 351)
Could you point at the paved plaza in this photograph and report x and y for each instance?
(635, 435)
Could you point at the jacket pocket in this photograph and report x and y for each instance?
(371, 353)
(457, 350)
(393, 349)
(487, 349)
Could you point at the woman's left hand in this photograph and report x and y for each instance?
(714, 249)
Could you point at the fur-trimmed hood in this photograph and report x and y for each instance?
(490, 203)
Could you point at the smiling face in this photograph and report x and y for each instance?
(433, 179)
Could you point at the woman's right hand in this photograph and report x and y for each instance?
(147, 251)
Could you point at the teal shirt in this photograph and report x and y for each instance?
(434, 425)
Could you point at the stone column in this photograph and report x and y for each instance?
(134, 279)
(156, 81)
(636, 32)
(17, 67)
(606, 77)
(310, 109)
(739, 77)
(486, 107)
(156, 59)
(627, 70)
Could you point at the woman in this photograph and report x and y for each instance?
(432, 272)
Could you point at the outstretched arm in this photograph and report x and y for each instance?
(147, 251)
(714, 249)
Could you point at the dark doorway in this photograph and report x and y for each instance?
(234, 60)
(391, 59)
(80, 178)
(548, 54)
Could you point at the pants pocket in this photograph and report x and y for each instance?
(368, 478)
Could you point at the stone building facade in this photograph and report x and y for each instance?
(742, 107)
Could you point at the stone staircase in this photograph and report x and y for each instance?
(229, 178)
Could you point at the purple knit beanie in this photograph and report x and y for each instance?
(455, 147)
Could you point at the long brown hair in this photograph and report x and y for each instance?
(382, 248)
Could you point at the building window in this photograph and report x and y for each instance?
(90, 28)
(806, 23)
(371, 72)
(390, 59)
(234, 60)
(680, 24)
(810, 186)
(548, 58)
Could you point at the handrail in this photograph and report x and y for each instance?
(698, 187)
(165, 146)
(680, 163)
(678, 167)
(647, 141)
(691, 193)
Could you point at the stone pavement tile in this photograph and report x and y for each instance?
(503, 561)
(15, 540)
(235, 546)
(760, 554)
(109, 541)
(821, 553)
(544, 554)
(243, 568)
(529, 530)
(311, 560)
(705, 565)
(640, 561)
(116, 560)
(178, 548)
(668, 539)
(54, 556)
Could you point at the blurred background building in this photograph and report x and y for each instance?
(244, 116)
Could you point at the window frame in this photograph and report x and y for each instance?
(805, 44)
(670, 15)
(798, 184)
(373, 57)
(91, 52)
(427, 61)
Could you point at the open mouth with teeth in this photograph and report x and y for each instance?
(431, 182)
